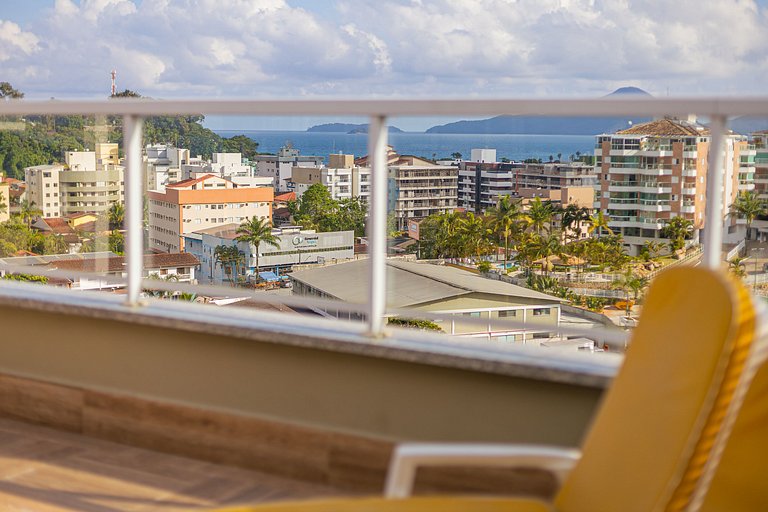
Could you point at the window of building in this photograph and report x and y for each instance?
(509, 313)
(541, 311)
(472, 314)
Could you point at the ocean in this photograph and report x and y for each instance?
(429, 145)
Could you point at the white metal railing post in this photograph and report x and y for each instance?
(377, 225)
(713, 228)
(134, 207)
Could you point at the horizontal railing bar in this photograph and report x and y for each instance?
(753, 106)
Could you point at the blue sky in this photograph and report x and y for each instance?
(384, 48)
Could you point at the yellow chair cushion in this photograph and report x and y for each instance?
(416, 504)
(740, 483)
(648, 426)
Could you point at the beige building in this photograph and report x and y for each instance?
(342, 178)
(455, 293)
(418, 188)
(655, 171)
(90, 181)
(483, 182)
(202, 203)
(43, 189)
(163, 164)
(5, 200)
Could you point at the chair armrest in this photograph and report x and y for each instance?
(407, 457)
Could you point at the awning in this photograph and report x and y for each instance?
(269, 276)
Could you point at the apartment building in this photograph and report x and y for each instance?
(760, 143)
(90, 181)
(201, 203)
(482, 180)
(5, 200)
(417, 188)
(279, 167)
(657, 170)
(342, 178)
(296, 247)
(43, 189)
(163, 165)
(230, 166)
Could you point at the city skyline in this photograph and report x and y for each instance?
(398, 48)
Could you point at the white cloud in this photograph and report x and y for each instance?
(14, 42)
(394, 47)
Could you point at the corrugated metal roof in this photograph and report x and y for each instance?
(409, 284)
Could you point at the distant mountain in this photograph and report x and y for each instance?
(346, 128)
(537, 125)
(747, 124)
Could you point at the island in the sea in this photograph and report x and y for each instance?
(346, 128)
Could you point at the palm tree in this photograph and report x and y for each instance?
(28, 211)
(748, 206)
(737, 267)
(546, 246)
(256, 231)
(504, 217)
(630, 282)
(599, 222)
(571, 218)
(677, 229)
(473, 235)
(446, 240)
(540, 215)
(651, 250)
(229, 257)
(116, 215)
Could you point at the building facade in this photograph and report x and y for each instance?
(206, 202)
(481, 184)
(655, 171)
(90, 181)
(417, 188)
(342, 178)
(296, 247)
(279, 167)
(42, 182)
(163, 165)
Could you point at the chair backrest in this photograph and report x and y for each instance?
(739, 482)
(651, 437)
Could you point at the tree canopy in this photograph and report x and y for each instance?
(8, 91)
(316, 209)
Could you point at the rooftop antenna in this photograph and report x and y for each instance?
(114, 87)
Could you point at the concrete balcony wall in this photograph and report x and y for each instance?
(177, 378)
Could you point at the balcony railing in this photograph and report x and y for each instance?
(375, 310)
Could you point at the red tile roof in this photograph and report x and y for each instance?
(288, 196)
(77, 215)
(58, 225)
(192, 181)
(663, 127)
(117, 263)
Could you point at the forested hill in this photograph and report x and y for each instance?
(42, 140)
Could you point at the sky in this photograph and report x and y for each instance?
(383, 48)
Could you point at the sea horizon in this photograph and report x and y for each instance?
(516, 147)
